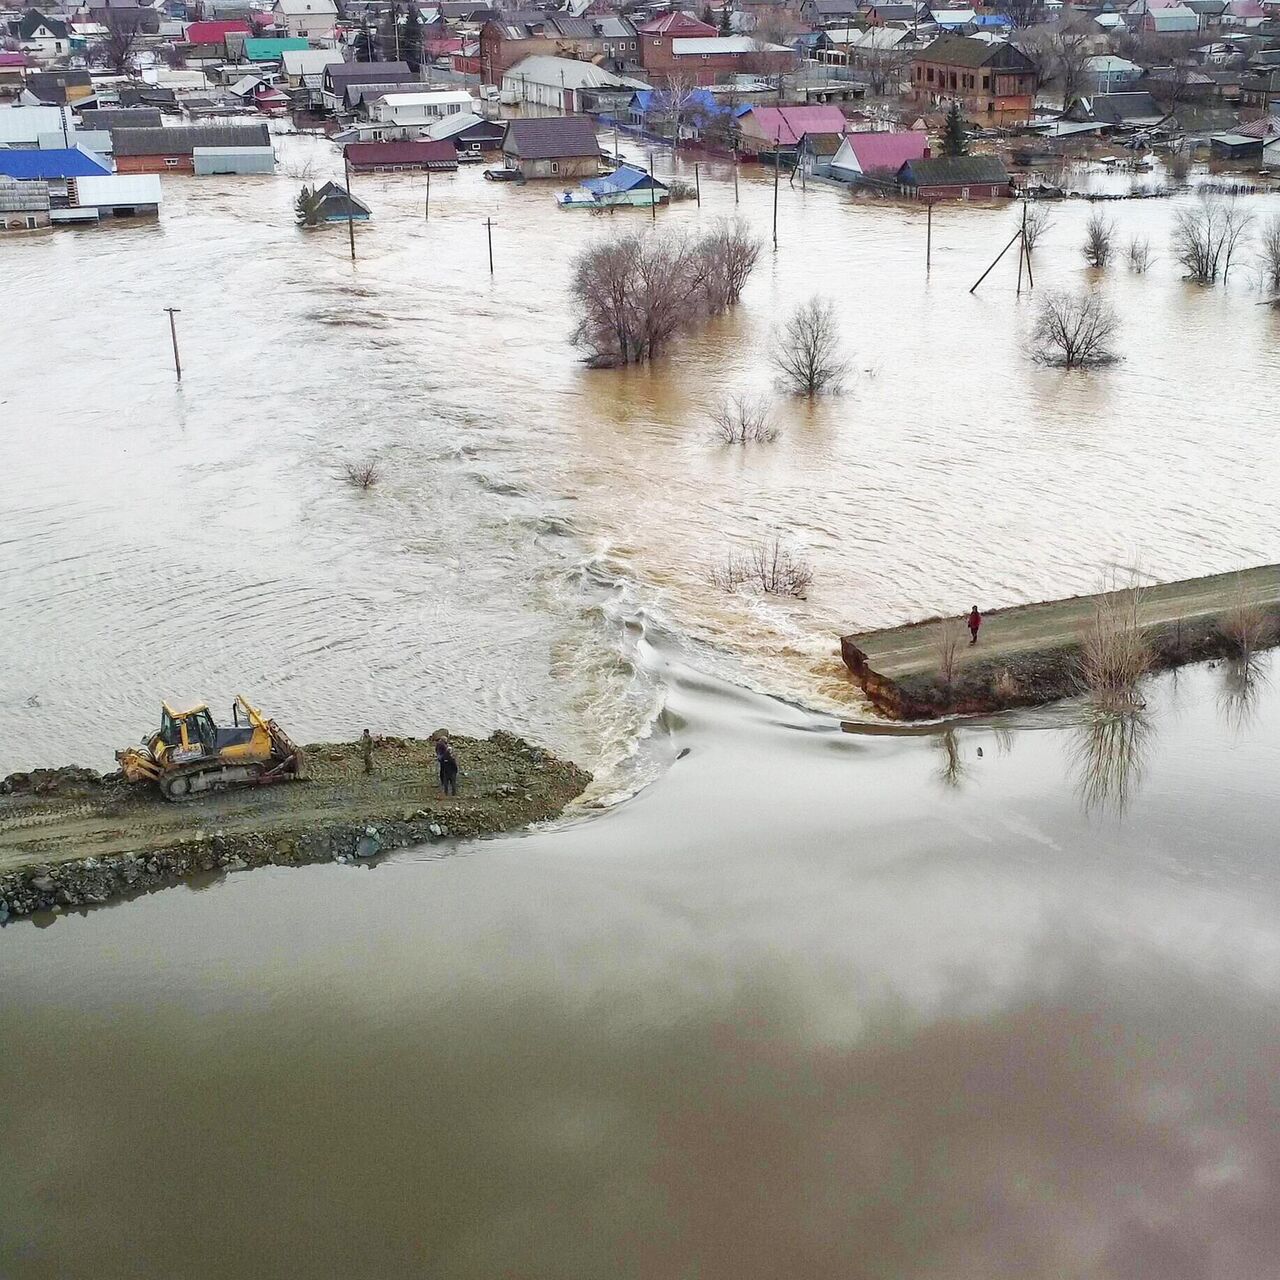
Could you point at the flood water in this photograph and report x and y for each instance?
(994, 1003)
(818, 999)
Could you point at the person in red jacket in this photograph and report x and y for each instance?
(975, 621)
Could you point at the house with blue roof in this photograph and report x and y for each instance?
(53, 166)
(657, 111)
(626, 185)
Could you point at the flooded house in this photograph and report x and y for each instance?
(195, 148)
(552, 147)
(398, 157)
(955, 178)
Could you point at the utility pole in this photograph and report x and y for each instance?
(488, 223)
(1017, 235)
(351, 224)
(928, 237)
(777, 166)
(426, 213)
(697, 184)
(735, 177)
(1022, 245)
(173, 333)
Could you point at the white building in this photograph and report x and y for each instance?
(419, 108)
(24, 126)
(306, 17)
(305, 67)
(560, 83)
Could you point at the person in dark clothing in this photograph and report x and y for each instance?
(975, 621)
(448, 766)
(366, 749)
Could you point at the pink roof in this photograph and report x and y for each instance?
(887, 150)
(1246, 9)
(215, 32)
(790, 124)
(8, 59)
(1266, 128)
(678, 24)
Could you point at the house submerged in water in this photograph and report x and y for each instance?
(626, 185)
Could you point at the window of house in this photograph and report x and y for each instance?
(657, 44)
(555, 166)
(31, 224)
(171, 162)
(930, 75)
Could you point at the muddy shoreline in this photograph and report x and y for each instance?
(72, 838)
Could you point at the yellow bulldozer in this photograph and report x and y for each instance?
(191, 755)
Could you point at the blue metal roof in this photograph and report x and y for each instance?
(73, 162)
(699, 102)
(625, 177)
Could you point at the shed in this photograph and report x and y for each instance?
(207, 161)
(337, 204)
(1235, 146)
(954, 178)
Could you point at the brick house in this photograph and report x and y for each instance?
(704, 60)
(171, 150)
(993, 82)
(657, 37)
(511, 38)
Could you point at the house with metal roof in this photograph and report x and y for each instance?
(552, 147)
(45, 37)
(57, 88)
(565, 84)
(24, 126)
(24, 206)
(994, 82)
(396, 157)
(172, 150)
(305, 17)
(955, 178)
(779, 129)
(626, 185)
(469, 133)
(257, 49)
(304, 68)
(863, 155)
(397, 108)
(337, 204)
(338, 77)
(52, 165)
(117, 195)
(1136, 110)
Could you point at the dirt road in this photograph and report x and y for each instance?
(911, 650)
(69, 837)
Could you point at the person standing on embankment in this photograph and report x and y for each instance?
(975, 621)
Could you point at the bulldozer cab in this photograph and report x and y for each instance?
(189, 735)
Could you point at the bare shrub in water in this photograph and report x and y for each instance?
(768, 566)
(806, 350)
(1074, 330)
(1139, 254)
(1269, 256)
(1247, 624)
(1180, 166)
(363, 475)
(1099, 240)
(1206, 236)
(1114, 651)
(743, 420)
(638, 290)
(1039, 219)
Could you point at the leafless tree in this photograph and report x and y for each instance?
(1139, 254)
(769, 566)
(1114, 651)
(1074, 330)
(947, 642)
(806, 351)
(363, 475)
(1206, 236)
(1109, 754)
(115, 49)
(637, 291)
(676, 100)
(1248, 625)
(744, 420)
(1060, 52)
(1099, 240)
(1269, 256)
(1179, 166)
(1038, 221)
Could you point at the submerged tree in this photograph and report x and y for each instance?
(637, 291)
(1074, 331)
(307, 207)
(1206, 236)
(954, 140)
(1099, 240)
(807, 349)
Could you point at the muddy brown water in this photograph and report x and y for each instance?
(814, 1002)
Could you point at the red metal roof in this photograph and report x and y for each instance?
(428, 151)
(887, 150)
(677, 24)
(215, 32)
(789, 124)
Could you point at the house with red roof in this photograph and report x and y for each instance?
(880, 155)
(395, 157)
(772, 129)
(209, 39)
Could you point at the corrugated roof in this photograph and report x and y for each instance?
(72, 162)
(122, 118)
(958, 171)
(265, 50)
(215, 32)
(788, 125)
(436, 97)
(119, 188)
(959, 51)
(625, 177)
(430, 152)
(23, 197)
(26, 124)
(184, 139)
(310, 62)
(567, 73)
(696, 45)
(551, 137)
(886, 150)
(677, 24)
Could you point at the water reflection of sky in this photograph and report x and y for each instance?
(804, 1006)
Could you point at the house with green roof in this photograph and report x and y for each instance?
(267, 50)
